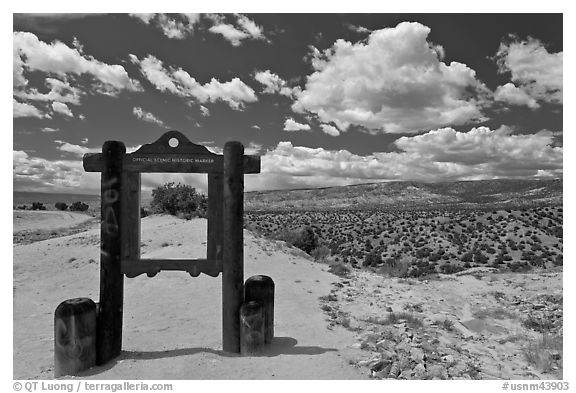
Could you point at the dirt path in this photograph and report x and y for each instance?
(172, 322)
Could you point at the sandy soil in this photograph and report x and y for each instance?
(172, 322)
(464, 326)
(46, 220)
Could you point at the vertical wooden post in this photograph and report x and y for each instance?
(251, 328)
(233, 246)
(74, 336)
(215, 206)
(130, 226)
(261, 289)
(109, 325)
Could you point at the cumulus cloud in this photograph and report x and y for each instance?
(59, 59)
(22, 109)
(62, 108)
(394, 82)
(35, 173)
(535, 70)
(172, 27)
(204, 111)
(177, 81)
(49, 129)
(292, 125)
(439, 155)
(511, 94)
(245, 29)
(146, 116)
(76, 149)
(358, 29)
(274, 84)
(330, 130)
(59, 91)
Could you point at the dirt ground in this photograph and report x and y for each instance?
(476, 325)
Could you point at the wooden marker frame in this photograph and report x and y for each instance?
(120, 227)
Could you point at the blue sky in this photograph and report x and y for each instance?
(325, 99)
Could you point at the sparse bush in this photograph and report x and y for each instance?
(179, 200)
(372, 259)
(304, 239)
(61, 206)
(321, 253)
(545, 353)
(79, 207)
(446, 324)
(339, 269)
(38, 206)
(539, 324)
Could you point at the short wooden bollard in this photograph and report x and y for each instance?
(251, 328)
(74, 336)
(261, 289)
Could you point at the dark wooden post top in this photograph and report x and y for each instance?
(174, 153)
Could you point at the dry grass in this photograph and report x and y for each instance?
(545, 353)
(446, 324)
(339, 269)
(539, 324)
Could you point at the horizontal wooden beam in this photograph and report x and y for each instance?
(170, 163)
(134, 267)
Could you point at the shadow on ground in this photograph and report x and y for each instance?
(279, 346)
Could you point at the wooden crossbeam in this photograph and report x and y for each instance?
(134, 267)
(170, 163)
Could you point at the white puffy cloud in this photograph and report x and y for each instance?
(76, 149)
(59, 91)
(330, 130)
(292, 125)
(439, 155)
(204, 111)
(22, 109)
(144, 17)
(245, 29)
(59, 59)
(49, 129)
(535, 70)
(274, 84)
(395, 82)
(177, 81)
(146, 116)
(34, 173)
(358, 29)
(511, 94)
(62, 108)
(171, 27)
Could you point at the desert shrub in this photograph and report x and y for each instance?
(537, 323)
(558, 261)
(78, 207)
(339, 269)
(179, 200)
(446, 324)
(38, 206)
(395, 267)
(321, 253)
(61, 206)
(304, 238)
(22, 207)
(372, 259)
(545, 353)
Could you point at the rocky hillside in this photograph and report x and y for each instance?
(411, 195)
